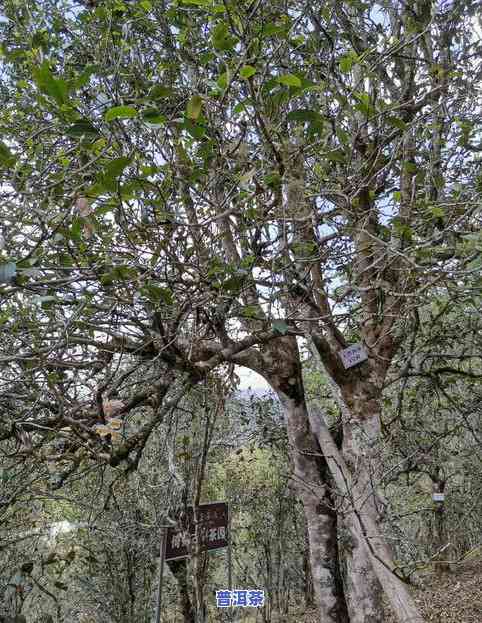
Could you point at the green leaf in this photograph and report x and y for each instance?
(157, 294)
(222, 80)
(343, 136)
(82, 127)
(346, 62)
(402, 229)
(364, 105)
(159, 91)
(273, 180)
(409, 166)
(289, 80)
(195, 130)
(115, 167)
(48, 84)
(249, 311)
(475, 263)
(232, 284)
(336, 155)
(83, 79)
(305, 249)
(280, 326)
(120, 112)
(247, 71)
(272, 29)
(153, 117)
(309, 85)
(305, 114)
(240, 107)
(123, 272)
(194, 107)
(75, 232)
(40, 39)
(108, 178)
(245, 178)
(221, 38)
(396, 123)
(204, 3)
(7, 159)
(437, 211)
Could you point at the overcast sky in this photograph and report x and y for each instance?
(250, 379)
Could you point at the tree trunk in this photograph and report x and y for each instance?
(362, 589)
(179, 571)
(310, 473)
(308, 580)
(199, 568)
(320, 515)
(440, 528)
(364, 525)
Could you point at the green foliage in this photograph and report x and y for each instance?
(242, 172)
(347, 61)
(48, 84)
(194, 107)
(82, 127)
(289, 80)
(120, 112)
(221, 38)
(7, 159)
(247, 71)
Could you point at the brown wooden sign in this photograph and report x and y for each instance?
(212, 530)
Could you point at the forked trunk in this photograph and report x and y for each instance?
(310, 476)
(279, 363)
(364, 524)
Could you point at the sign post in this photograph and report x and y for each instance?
(213, 531)
(162, 555)
(230, 562)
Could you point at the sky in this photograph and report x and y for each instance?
(250, 379)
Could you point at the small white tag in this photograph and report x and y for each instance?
(353, 355)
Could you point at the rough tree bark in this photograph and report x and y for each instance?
(362, 586)
(282, 370)
(362, 589)
(365, 529)
(308, 580)
(179, 571)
